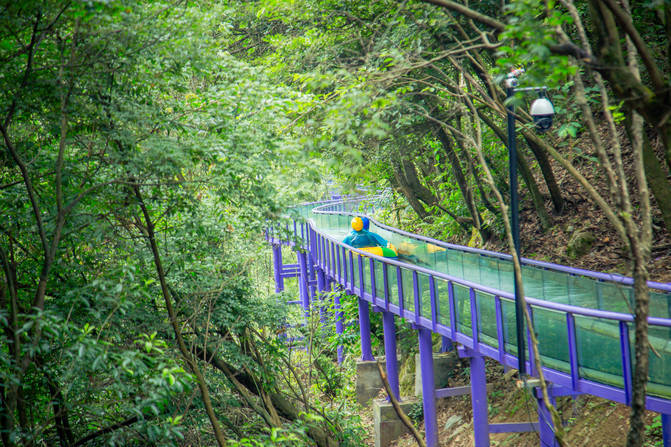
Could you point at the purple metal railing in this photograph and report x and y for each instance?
(570, 380)
(345, 265)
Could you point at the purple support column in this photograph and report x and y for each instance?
(390, 352)
(338, 321)
(277, 267)
(545, 425)
(479, 401)
(303, 281)
(364, 330)
(428, 387)
(446, 345)
(666, 429)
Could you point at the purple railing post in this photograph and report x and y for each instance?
(572, 351)
(338, 320)
(364, 330)
(545, 425)
(399, 283)
(475, 331)
(416, 295)
(350, 263)
(428, 386)
(389, 327)
(277, 267)
(339, 268)
(625, 351)
(531, 370)
(332, 256)
(303, 281)
(373, 284)
(321, 288)
(385, 279)
(666, 429)
(433, 298)
(479, 401)
(499, 329)
(311, 263)
(453, 310)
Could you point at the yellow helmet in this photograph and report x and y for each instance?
(357, 224)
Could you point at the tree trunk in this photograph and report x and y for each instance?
(408, 193)
(546, 170)
(284, 406)
(536, 197)
(462, 182)
(636, 435)
(61, 418)
(652, 102)
(186, 354)
(484, 196)
(657, 181)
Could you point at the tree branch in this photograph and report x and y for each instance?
(151, 239)
(468, 12)
(397, 408)
(624, 20)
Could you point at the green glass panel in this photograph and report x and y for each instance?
(463, 303)
(489, 271)
(552, 335)
(555, 286)
(355, 268)
(594, 338)
(366, 273)
(660, 305)
(532, 278)
(582, 291)
(424, 295)
(455, 264)
(471, 267)
(660, 362)
(486, 318)
(509, 327)
(408, 290)
(379, 279)
(443, 302)
(393, 285)
(506, 276)
(614, 297)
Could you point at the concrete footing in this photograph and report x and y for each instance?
(443, 364)
(368, 382)
(388, 426)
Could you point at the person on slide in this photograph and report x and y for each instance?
(382, 242)
(363, 239)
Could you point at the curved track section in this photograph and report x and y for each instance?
(582, 318)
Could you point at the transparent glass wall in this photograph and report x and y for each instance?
(598, 340)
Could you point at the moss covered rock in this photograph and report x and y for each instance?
(580, 244)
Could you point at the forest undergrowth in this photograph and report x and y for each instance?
(605, 254)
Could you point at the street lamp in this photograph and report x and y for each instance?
(542, 112)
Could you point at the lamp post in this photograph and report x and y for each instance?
(542, 112)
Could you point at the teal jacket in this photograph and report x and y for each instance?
(363, 238)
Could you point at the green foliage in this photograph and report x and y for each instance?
(120, 97)
(653, 432)
(527, 38)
